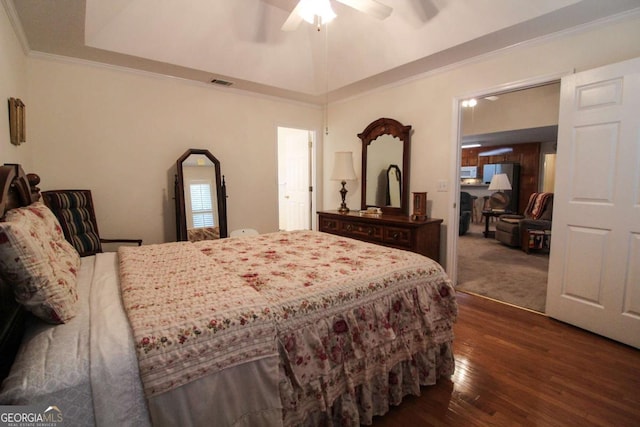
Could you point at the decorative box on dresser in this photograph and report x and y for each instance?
(397, 231)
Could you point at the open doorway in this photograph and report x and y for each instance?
(295, 178)
(518, 130)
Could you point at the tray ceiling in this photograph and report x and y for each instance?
(240, 40)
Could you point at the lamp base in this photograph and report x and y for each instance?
(499, 200)
(343, 192)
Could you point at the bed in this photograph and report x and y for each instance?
(286, 328)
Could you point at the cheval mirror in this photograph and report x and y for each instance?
(385, 166)
(201, 200)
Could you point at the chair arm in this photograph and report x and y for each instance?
(137, 241)
(536, 224)
(511, 216)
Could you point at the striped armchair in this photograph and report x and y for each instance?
(75, 212)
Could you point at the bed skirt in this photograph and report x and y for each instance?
(374, 397)
(356, 407)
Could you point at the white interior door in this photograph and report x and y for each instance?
(594, 271)
(294, 178)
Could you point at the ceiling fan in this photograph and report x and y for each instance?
(320, 11)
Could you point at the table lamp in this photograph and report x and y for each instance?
(343, 171)
(499, 184)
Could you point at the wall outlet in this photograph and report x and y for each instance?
(443, 185)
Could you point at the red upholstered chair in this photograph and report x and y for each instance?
(74, 210)
(537, 216)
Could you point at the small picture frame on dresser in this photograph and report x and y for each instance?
(419, 206)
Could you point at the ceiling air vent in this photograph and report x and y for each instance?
(221, 82)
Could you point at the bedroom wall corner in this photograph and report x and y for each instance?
(13, 84)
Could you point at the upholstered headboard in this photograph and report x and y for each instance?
(17, 189)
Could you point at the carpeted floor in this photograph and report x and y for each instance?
(489, 268)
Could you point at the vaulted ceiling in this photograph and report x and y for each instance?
(240, 41)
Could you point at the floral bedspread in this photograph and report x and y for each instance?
(189, 317)
(347, 315)
(357, 326)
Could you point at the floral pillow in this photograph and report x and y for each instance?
(39, 263)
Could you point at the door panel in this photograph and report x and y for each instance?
(584, 271)
(594, 278)
(632, 290)
(594, 161)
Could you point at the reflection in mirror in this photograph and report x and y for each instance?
(200, 197)
(394, 186)
(385, 166)
(382, 153)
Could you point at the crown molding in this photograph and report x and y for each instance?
(10, 9)
(150, 74)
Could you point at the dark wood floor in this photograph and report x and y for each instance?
(515, 367)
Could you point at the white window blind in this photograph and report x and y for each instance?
(201, 206)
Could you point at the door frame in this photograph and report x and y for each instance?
(451, 255)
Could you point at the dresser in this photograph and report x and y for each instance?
(396, 231)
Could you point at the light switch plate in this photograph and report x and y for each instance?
(443, 185)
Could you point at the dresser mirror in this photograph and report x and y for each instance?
(385, 166)
(201, 209)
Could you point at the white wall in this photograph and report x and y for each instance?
(13, 84)
(522, 109)
(119, 133)
(427, 104)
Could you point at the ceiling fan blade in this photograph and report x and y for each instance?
(293, 21)
(370, 7)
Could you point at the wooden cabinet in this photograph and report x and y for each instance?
(396, 231)
(469, 157)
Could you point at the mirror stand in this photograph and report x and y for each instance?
(201, 199)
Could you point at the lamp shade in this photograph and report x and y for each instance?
(343, 167)
(500, 182)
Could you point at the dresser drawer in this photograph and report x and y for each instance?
(328, 225)
(397, 236)
(360, 230)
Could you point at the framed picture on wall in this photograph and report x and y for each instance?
(17, 121)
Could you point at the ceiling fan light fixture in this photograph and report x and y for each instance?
(309, 9)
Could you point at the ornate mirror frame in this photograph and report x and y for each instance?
(377, 128)
(221, 196)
